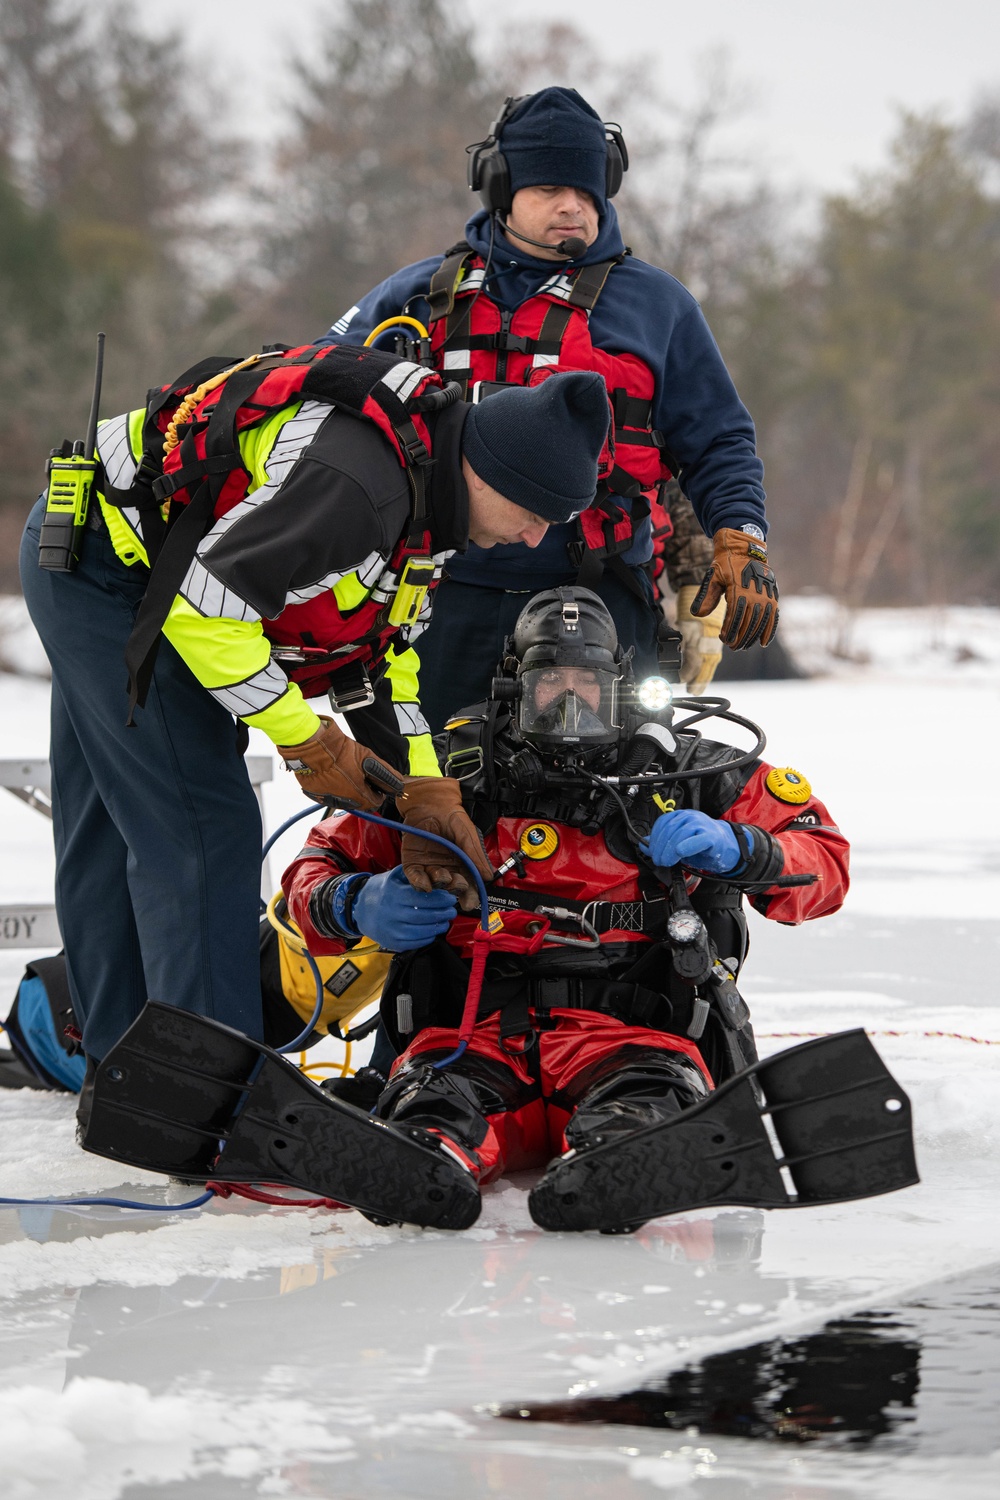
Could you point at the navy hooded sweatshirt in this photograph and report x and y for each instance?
(643, 311)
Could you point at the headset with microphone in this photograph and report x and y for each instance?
(489, 176)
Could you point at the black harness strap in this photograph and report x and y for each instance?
(516, 997)
(588, 283)
(198, 468)
(446, 280)
(418, 459)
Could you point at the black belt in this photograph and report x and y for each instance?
(523, 994)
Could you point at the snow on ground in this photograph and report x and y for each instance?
(246, 1351)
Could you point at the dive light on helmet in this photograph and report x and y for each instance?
(654, 694)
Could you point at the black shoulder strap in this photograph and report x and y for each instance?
(446, 279)
(589, 283)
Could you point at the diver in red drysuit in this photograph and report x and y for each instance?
(586, 1028)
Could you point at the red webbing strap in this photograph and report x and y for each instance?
(256, 1195)
(500, 942)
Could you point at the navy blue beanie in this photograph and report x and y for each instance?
(539, 445)
(555, 138)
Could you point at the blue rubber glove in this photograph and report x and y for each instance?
(389, 911)
(694, 839)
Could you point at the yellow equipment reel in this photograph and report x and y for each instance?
(350, 980)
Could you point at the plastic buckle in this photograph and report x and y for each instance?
(416, 450)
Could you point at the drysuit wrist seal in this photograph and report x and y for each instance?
(331, 906)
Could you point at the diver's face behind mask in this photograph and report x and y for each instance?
(567, 706)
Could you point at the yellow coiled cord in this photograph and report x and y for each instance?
(187, 407)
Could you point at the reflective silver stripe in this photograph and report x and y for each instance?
(472, 280)
(210, 597)
(115, 452)
(544, 359)
(556, 286)
(254, 694)
(456, 359)
(292, 441)
(404, 378)
(410, 720)
(365, 571)
(343, 323)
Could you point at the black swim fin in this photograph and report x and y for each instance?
(187, 1096)
(842, 1123)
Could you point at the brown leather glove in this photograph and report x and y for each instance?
(741, 574)
(435, 804)
(331, 764)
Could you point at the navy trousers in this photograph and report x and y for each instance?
(157, 829)
(461, 646)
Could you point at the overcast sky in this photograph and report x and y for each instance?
(826, 73)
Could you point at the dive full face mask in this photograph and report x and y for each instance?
(569, 704)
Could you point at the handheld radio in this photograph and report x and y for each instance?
(71, 471)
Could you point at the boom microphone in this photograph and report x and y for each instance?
(571, 247)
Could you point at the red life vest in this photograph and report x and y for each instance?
(203, 478)
(474, 340)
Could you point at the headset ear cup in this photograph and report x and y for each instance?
(614, 171)
(494, 180)
(616, 164)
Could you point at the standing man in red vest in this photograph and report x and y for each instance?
(543, 280)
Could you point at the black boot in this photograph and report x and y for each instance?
(624, 1095)
(362, 1089)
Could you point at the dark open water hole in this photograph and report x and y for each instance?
(923, 1376)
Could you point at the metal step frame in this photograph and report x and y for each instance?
(33, 924)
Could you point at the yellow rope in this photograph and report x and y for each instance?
(187, 407)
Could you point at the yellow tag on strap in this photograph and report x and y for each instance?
(418, 575)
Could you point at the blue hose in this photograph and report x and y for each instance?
(149, 1208)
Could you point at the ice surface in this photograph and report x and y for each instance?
(248, 1351)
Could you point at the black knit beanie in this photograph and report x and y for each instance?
(539, 445)
(556, 138)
